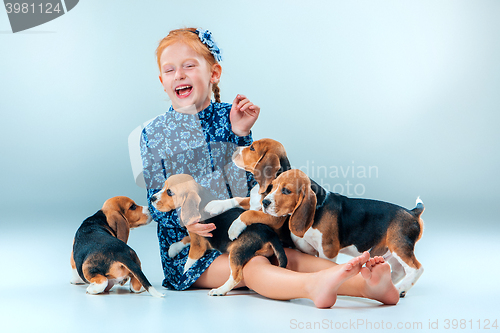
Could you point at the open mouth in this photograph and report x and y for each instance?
(183, 91)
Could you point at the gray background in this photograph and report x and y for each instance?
(407, 87)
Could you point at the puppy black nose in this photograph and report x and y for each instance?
(266, 203)
(153, 198)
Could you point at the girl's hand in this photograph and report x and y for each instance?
(243, 115)
(201, 229)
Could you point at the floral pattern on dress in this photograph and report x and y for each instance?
(201, 145)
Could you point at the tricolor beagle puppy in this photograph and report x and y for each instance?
(182, 191)
(100, 254)
(265, 159)
(322, 223)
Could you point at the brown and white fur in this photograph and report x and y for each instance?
(182, 191)
(265, 159)
(323, 223)
(100, 254)
(255, 158)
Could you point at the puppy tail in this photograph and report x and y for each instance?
(419, 208)
(279, 252)
(417, 212)
(135, 269)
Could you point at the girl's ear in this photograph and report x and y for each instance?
(216, 73)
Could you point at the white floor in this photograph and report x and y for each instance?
(460, 283)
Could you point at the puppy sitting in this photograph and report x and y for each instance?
(182, 191)
(100, 254)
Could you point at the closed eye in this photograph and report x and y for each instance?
(285, 191)
(170, 193)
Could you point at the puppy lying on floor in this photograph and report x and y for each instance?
(182, 191)
(100, 254)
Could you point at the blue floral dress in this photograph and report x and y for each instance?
(201, 145)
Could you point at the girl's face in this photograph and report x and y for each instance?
(187, 77)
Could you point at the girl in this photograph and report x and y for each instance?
(197, 136)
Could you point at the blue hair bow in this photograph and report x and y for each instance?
(207, 39)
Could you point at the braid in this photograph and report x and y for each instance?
(216, 91)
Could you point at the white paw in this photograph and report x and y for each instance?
(190, 262)
(236, 229)
(141, 289)
(217, 292)
(95, 288)
(76, 279)
(216, 207)
(176, 248)
(125, 280)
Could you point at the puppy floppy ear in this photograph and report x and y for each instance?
(302, 217)
(119, 224)
(190, 208)
(265, 171)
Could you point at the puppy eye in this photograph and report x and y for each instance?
(133, 207)
(170, 193)
(252, 148)
(285, 191)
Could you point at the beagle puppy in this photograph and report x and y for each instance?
(265, 159)
(100, 254)
(255, 158)
(322, 223)
(182, 191)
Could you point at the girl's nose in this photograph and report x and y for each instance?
(179, 74)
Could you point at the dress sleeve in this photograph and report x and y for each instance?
(154, 176)
(243, 140)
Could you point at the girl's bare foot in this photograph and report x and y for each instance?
(379, 286)
(324, 285)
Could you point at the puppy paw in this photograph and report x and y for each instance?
(176, 248)
(141, 289)
(190, 262)
(236, 229)
(216, 207)
(97, 288)
(217, 292)
(76, 279)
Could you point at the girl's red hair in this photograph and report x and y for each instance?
(189, 37)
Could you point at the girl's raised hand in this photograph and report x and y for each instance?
(243, 115)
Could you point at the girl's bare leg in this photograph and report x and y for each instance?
(266, 279)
